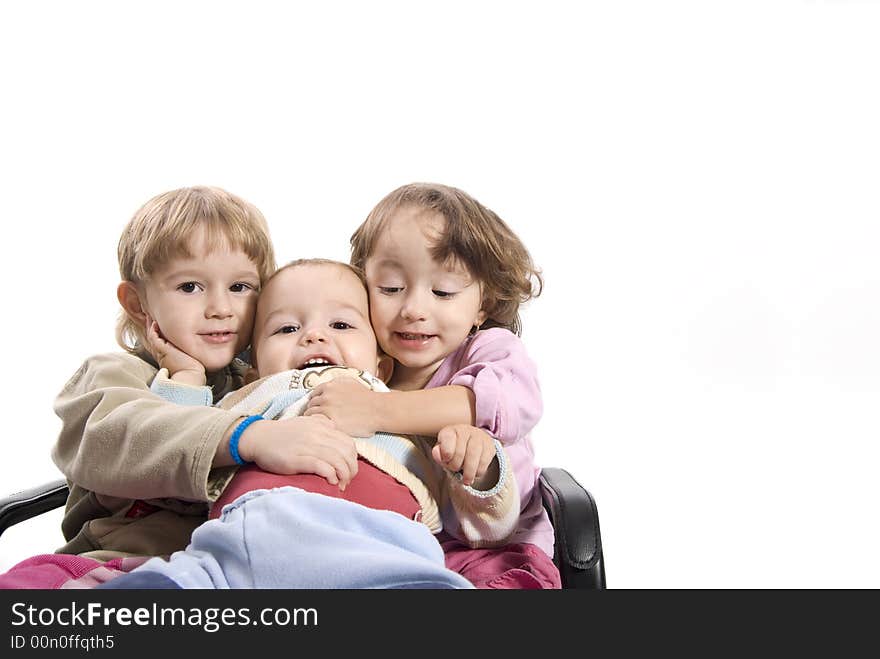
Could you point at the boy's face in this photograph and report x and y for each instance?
(205, 304)
(422, 310)
(314, 312)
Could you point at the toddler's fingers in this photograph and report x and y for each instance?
(327, 470)
(471, 463)
(344, 473)
(316, 406)
(313, 465)
(485, 460)
(154, 336)
(444, 449)
(332, 466)
(474, 459)
(315, 395)
(456, 462)
(435, 453)
(468, 472)
(344, 457)
(319, 416)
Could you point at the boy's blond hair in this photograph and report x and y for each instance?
(160, 231)
(474, 236)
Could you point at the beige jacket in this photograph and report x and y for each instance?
(126, 452)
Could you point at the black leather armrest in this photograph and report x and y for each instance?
(578, 547)
(30, 503)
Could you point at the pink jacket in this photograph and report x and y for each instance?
(494, 365)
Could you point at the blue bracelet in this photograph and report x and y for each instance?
(236, 436)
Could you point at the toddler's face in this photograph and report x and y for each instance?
(421, 310)
(204, 304)
(311, 314)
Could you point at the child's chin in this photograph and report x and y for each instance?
(217, 364)
(415, 362)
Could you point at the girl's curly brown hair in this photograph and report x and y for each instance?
(473, 235)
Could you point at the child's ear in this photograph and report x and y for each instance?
(385, 368)
(481, 318)
(130, 299)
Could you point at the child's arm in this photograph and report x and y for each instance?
(361, 412)
(120, 439)
(296, 445)
(495, 388)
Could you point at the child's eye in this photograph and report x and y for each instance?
(390, 290)
(286, 329)
(241, 287)
(341, 325)
(189, 287)
(443, 294)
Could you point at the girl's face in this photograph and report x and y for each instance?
(421, 310)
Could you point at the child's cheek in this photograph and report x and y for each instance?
(378, 314)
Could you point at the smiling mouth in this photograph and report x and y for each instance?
(409, 336)
(218, 337)
(316, 361)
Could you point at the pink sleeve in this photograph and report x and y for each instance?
(505, 383)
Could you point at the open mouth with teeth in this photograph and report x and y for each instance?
(316, 361)
(409, 336)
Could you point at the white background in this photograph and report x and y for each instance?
(698, 181)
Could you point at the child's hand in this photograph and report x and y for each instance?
(466, 449)
(181, 367)
(350, 405)
(301, 445)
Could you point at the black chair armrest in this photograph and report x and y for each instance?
(30, 503)
(575, 519)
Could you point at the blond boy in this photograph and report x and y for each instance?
(192, 262)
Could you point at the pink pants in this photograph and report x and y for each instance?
(51, 571)
(513, 566)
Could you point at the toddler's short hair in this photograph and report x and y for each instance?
(160, 231)
(357, 272)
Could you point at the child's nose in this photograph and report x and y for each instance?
(314, 335)
(218, 306)
(413, 308)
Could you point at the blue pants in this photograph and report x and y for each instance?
(290, 538)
